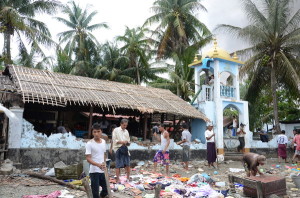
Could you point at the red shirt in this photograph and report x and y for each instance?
(297, 141)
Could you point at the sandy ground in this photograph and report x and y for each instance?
(16, 187)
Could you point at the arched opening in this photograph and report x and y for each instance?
(228, 85)
(232, 117)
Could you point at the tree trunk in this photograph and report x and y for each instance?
(138, 75)
(275, 102)
(7, 52)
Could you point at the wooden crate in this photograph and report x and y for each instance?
(269, 185)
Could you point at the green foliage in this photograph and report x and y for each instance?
(136, 48)
(79, 41)
(17, 19)
(178, 27)
(273, 34)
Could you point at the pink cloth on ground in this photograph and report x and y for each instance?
(55, 194)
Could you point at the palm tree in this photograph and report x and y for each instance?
(181, 75)
(113, 65)
(178, 27)
(274, 36)
(79, 38)
(31, 59)
(17, 19)
(136, 47)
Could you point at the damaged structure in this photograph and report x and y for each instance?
(41, 100)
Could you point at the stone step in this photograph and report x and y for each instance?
(233, 158)
(233, 154)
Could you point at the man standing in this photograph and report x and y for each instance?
(162, 155)
(234, 126)
(241, 134)
(282, 141)
(186, 142)
(155, 133)
(211, 146)
(121, 139)
(95, 149)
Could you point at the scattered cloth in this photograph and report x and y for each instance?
(55, 194)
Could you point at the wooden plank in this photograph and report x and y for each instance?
(90, 122)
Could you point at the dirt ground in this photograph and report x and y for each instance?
(16, 187)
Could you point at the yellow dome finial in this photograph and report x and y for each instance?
(196, 58)
(235, 57)
(215, 47)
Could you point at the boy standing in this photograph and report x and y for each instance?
(186, 142)
(95, 150)
(162, 155)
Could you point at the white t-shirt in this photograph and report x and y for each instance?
(209, 133)
(234, 123)
(186, 135)
(96, 150)
(241, 134)
(282, 139)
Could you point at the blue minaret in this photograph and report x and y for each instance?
(221, 91)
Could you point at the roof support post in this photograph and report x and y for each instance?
(90, 121)
(145, 126)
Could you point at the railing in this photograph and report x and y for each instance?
(227, 91)
(206, 93)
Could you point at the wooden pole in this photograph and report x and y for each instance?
(157, 190)
(107, 182)
(145, 126)
(90, 122)
(87, 187)
(54, 180)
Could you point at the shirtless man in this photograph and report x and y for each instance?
(251, 161)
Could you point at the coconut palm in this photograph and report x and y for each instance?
(17, 19)
(79, 39)
(274, 36)
(137, 50)
(112, 65)
(178, 27)
(32, 59)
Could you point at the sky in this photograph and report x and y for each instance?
(132, 13)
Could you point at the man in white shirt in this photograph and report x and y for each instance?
(234, 126)
(95, 150)
(121, 139)
(186, 139)
(241, 134)
(211, 146)
(282, 141)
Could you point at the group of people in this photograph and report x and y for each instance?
(282, 141)
(96, 149)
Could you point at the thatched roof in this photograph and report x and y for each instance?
(56, 89)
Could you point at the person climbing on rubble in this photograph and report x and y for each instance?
(186, 139)
(241, 134)
(251, 161)
(162, 155)
(95, 155)
(211, 145)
